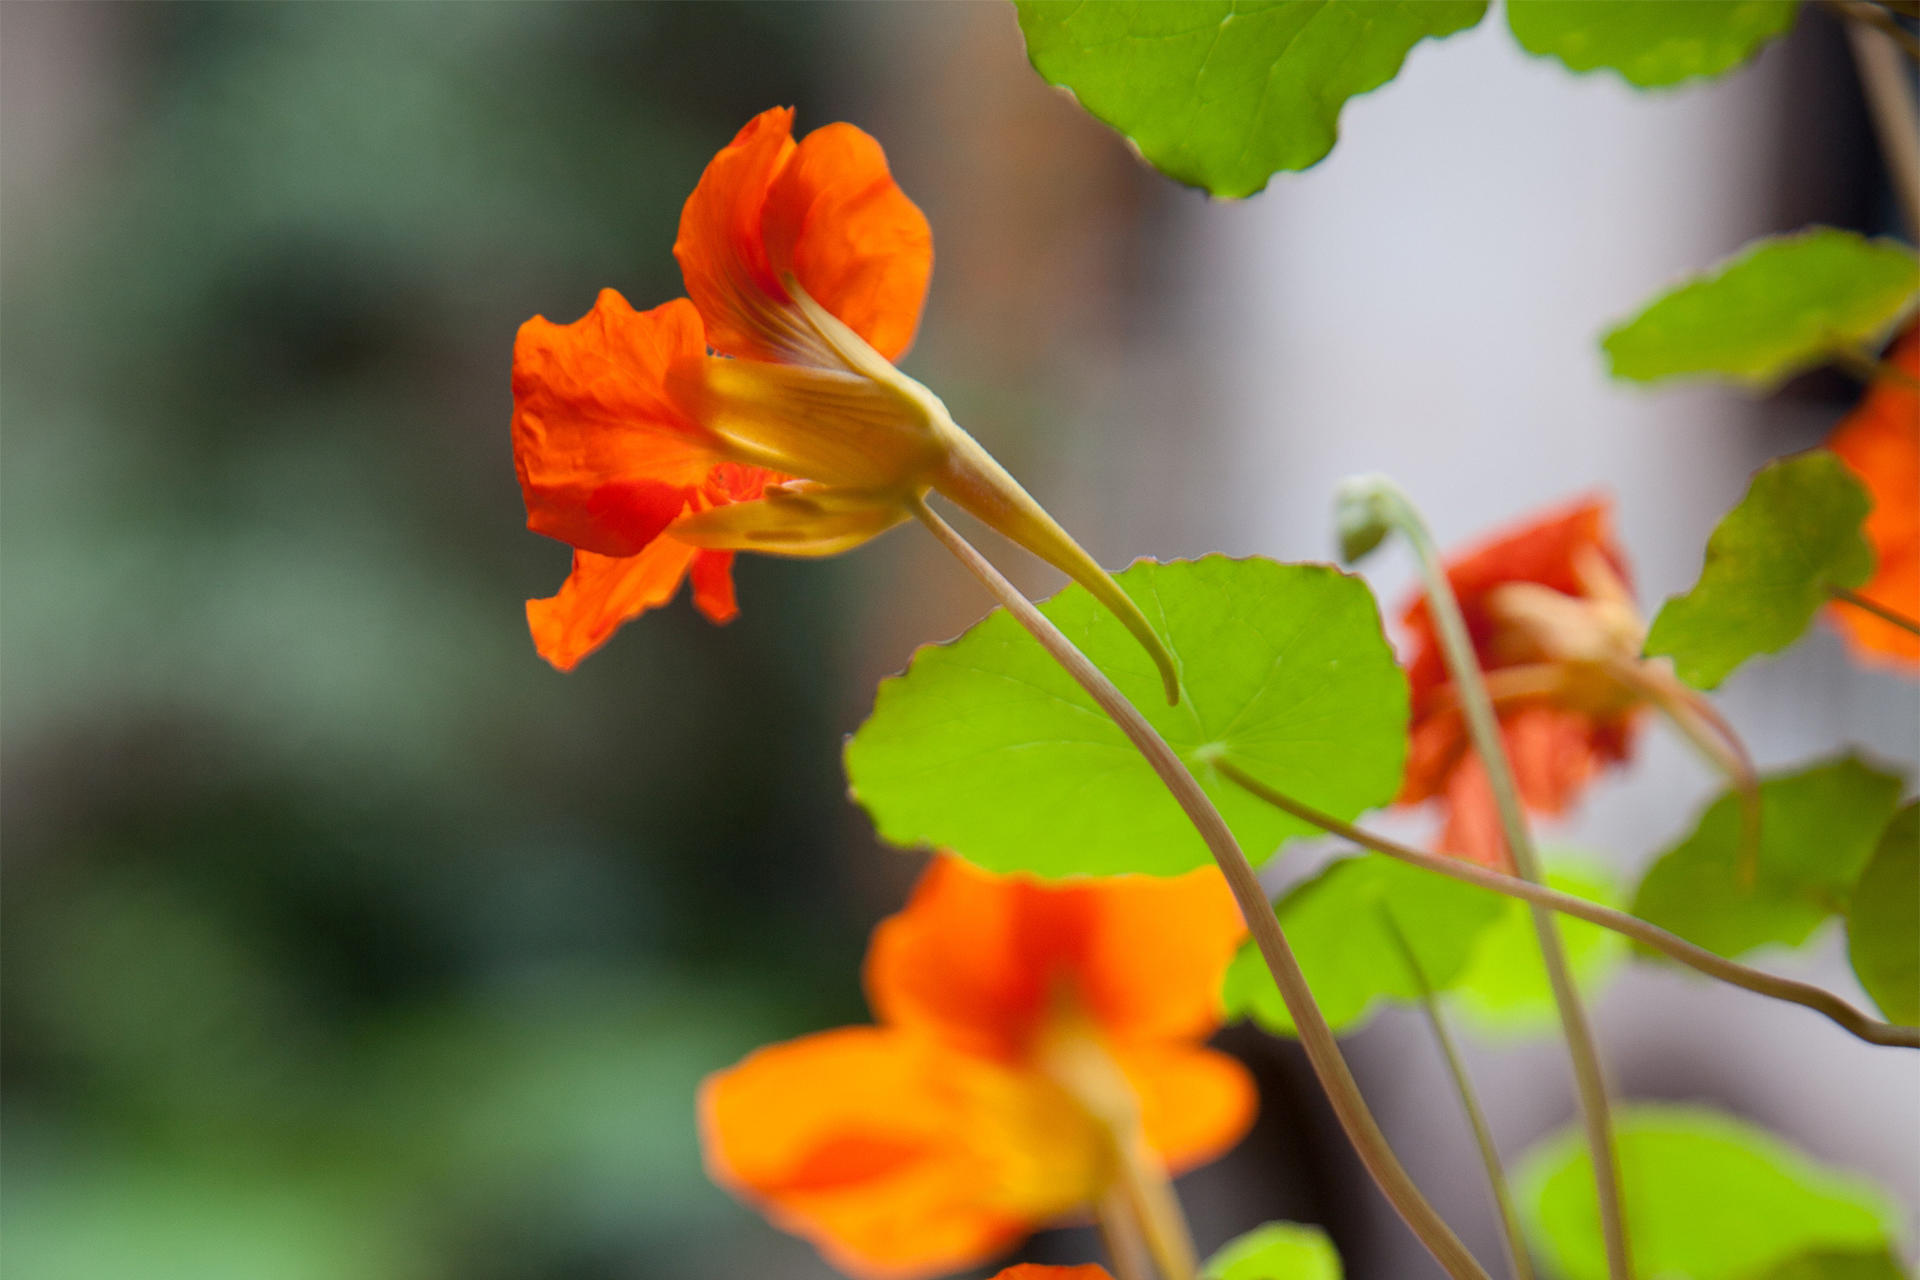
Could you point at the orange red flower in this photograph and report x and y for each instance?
(763, 412)
(1553, 622)
(1037, 1047)
(1880, 441)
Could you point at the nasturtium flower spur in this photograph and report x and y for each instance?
(1037, 1051)
(1880, 441)
(763, 412)
(1555, 629)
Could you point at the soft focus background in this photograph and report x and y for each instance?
(344, 940)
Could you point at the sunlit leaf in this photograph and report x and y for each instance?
(1342, 925)
(1649, 44)
(1706, 1196)
(1223, 94)
(1883, 925)
(1504, 989)
(985, 747)
(1772, 562)
(1818, 828)
(1783, 305)
(1276, 1251)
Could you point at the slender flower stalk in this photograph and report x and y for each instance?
(1877, 609)
(1379, 503)
(1821, 1001)
(1329, 1065)
(1469, 1100)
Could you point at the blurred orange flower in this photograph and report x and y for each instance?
(655, 458)
(1880, 440)
(1037, 1047)
(1554, 625)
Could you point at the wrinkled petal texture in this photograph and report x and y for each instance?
(826, 210)
(1880, 440)
(895, 1156)
(1555, 751)
(603, 592)
(978, 960)
(602, 446)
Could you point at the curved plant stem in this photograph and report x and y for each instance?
(1393, 509)
(1872, 15)
(1469, 1101)
(1329, 1065)
(1890, 97)
(1870, 1029)
(1120, 1231)
(1877, 609)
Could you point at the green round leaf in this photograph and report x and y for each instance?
(1817, 829)
(1649, 44)
(1883, 927)
(1338, 924)
(1276, 1251)
(1223, 94)
(1783, 305)
(1706, 1196)
(1504, 990)
(986, 747)
(1771, 563)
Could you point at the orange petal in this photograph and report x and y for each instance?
(601, 444)
(1880, 440)
(895, 1156)
(978, 959)
(1546, 550)
(1194, 1103)
(604, 591)
(827, 211)
(1555, 753)
(838, 221)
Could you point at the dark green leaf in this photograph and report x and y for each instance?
(1771, 563)
(1504, 990)
(1276, 1251)
(1883, 927)
(1338, 923)
(987, 748)
(1223, 94)
(1707, 1197)
(1649, 44)
(1818, 827)
(1783, 305)
(1879, 1264)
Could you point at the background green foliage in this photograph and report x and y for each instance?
(1710, 1198)
(1223, 94)
(1771, 563)
(1779, 307)
(1650, 45)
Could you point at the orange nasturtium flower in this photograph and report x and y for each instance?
(761, 413)
(1554, 625)
(1037, 1048)
(1880, 440)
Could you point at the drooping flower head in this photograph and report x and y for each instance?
(1880, 441)
(1035, 1044)
(761, 413)
(1554, 626)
